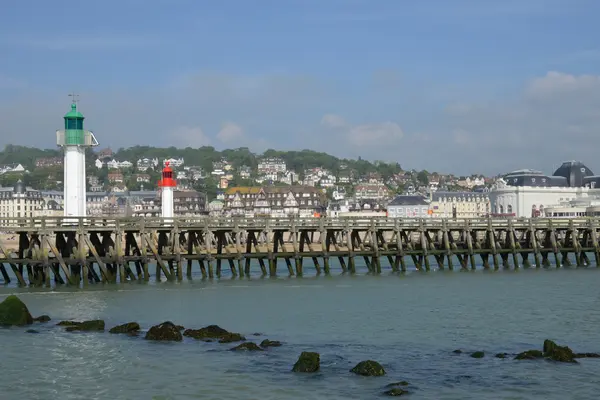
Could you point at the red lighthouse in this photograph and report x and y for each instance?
(167, 185)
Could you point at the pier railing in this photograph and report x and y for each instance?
(156, 223)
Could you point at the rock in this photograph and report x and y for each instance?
(247, 346)
(179, 327)
(270, 343)
(368, 368)
(67, 323)
(395, 392)
(478, 354)
(13, 312)
(126, 328)
(501, 355)
(554, 352)
(529, 355)
(42, 318)
(87, 326)
(167, 331)
(31, 331)
(457, 351)
(232, 337)
(257, 334)
(208, 332)
(395, 384)
(586, 355)
(307, 362)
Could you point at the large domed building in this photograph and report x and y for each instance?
(526, 193)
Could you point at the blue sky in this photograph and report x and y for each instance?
(460, 86)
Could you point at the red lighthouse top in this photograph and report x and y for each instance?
(167, 177)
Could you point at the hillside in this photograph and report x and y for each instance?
(45, 177)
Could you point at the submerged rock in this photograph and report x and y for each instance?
(395, 392)
(31, 331)
(13, 312)
(501, 355)
(307, 362)
(232, 337)
(457, 351)
(270, 343)
(167, 331)
(126, 328)
(368, 368)
(529, 355)
(586, 355)
(247, 346)
(42, 318)
(478, 354)
(87, 326)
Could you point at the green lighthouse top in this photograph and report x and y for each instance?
(74, 114)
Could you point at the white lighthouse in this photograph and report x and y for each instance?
(167, 185)
(74, 139)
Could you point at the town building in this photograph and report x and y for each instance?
(174, 162)
(19, 201)
(409, 206)
(143, 164)
(273, 201)
(376, 191)
(526, 193)
(271, 165)
(47, 162)
(459, 204)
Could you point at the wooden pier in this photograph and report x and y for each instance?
(48, 251)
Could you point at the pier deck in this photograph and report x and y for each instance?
(87, 250)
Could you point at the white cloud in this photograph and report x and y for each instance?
(372, 135)
(190, 137)
(333, 121)
(231, 134)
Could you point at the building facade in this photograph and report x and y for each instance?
(459, 204)
(19, 201)
(408, 206)
(272, 201)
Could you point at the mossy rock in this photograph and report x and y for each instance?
(554, 352)
(126, 328)
(270, 343)
(478, 354)
(396, 392)
(13, 312)
(68, 323)
(231, 338)
(501, 355)
(42, 318)
(368, 368)
(167, 331)
(308, 362)
(208, 332)
(87, 326)
(529, 355)
(247, 346)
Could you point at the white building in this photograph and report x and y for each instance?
(19, 201)
(271, 165)
(527, 193)
(174, 162)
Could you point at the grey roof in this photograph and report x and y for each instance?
(406, 200)
(574, 172)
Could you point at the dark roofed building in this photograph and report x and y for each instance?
(574, 172)
(408, 206)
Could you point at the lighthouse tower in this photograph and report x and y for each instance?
(74, 139)
(167, 185)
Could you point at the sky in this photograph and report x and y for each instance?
(456, 86)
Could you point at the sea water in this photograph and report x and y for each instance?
(410, 323)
